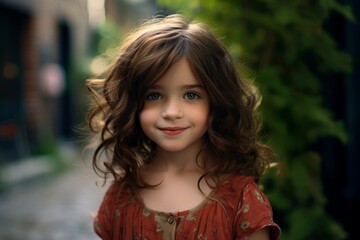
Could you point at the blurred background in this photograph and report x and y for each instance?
(303, 54)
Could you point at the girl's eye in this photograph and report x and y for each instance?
(191, 96)
(153, 96)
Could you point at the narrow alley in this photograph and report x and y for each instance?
(52, 207)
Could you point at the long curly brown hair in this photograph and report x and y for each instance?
(145, 55)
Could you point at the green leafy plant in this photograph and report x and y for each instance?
(290, 52)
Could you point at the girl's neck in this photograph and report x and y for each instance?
(176, 176)
(178, 162)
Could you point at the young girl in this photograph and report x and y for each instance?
(178, 127)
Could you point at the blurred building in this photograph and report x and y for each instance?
(127, 13)
(39, 41)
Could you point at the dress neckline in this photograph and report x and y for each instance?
(211, 196)
(177, 213)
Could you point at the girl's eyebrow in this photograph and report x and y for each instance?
(190, 86)
(186, 86)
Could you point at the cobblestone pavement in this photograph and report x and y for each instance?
(52, 207)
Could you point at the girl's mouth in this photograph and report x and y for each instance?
(172, 131)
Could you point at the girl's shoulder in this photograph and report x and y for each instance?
(235, 183)
(252, 209)
(248, 190)
(118, 195)
(116, 198)
(236, 190)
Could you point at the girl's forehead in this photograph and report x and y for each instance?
(178, 73)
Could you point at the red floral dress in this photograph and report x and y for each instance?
(233, 211)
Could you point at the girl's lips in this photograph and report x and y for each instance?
(172, 131)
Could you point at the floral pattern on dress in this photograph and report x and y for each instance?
(234, 211)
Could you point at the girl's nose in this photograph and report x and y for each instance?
(172, 110)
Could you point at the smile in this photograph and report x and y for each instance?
(172, 131)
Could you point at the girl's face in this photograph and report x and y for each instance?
(176, 110)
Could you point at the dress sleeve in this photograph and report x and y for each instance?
(103, 221)
(254, 213)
